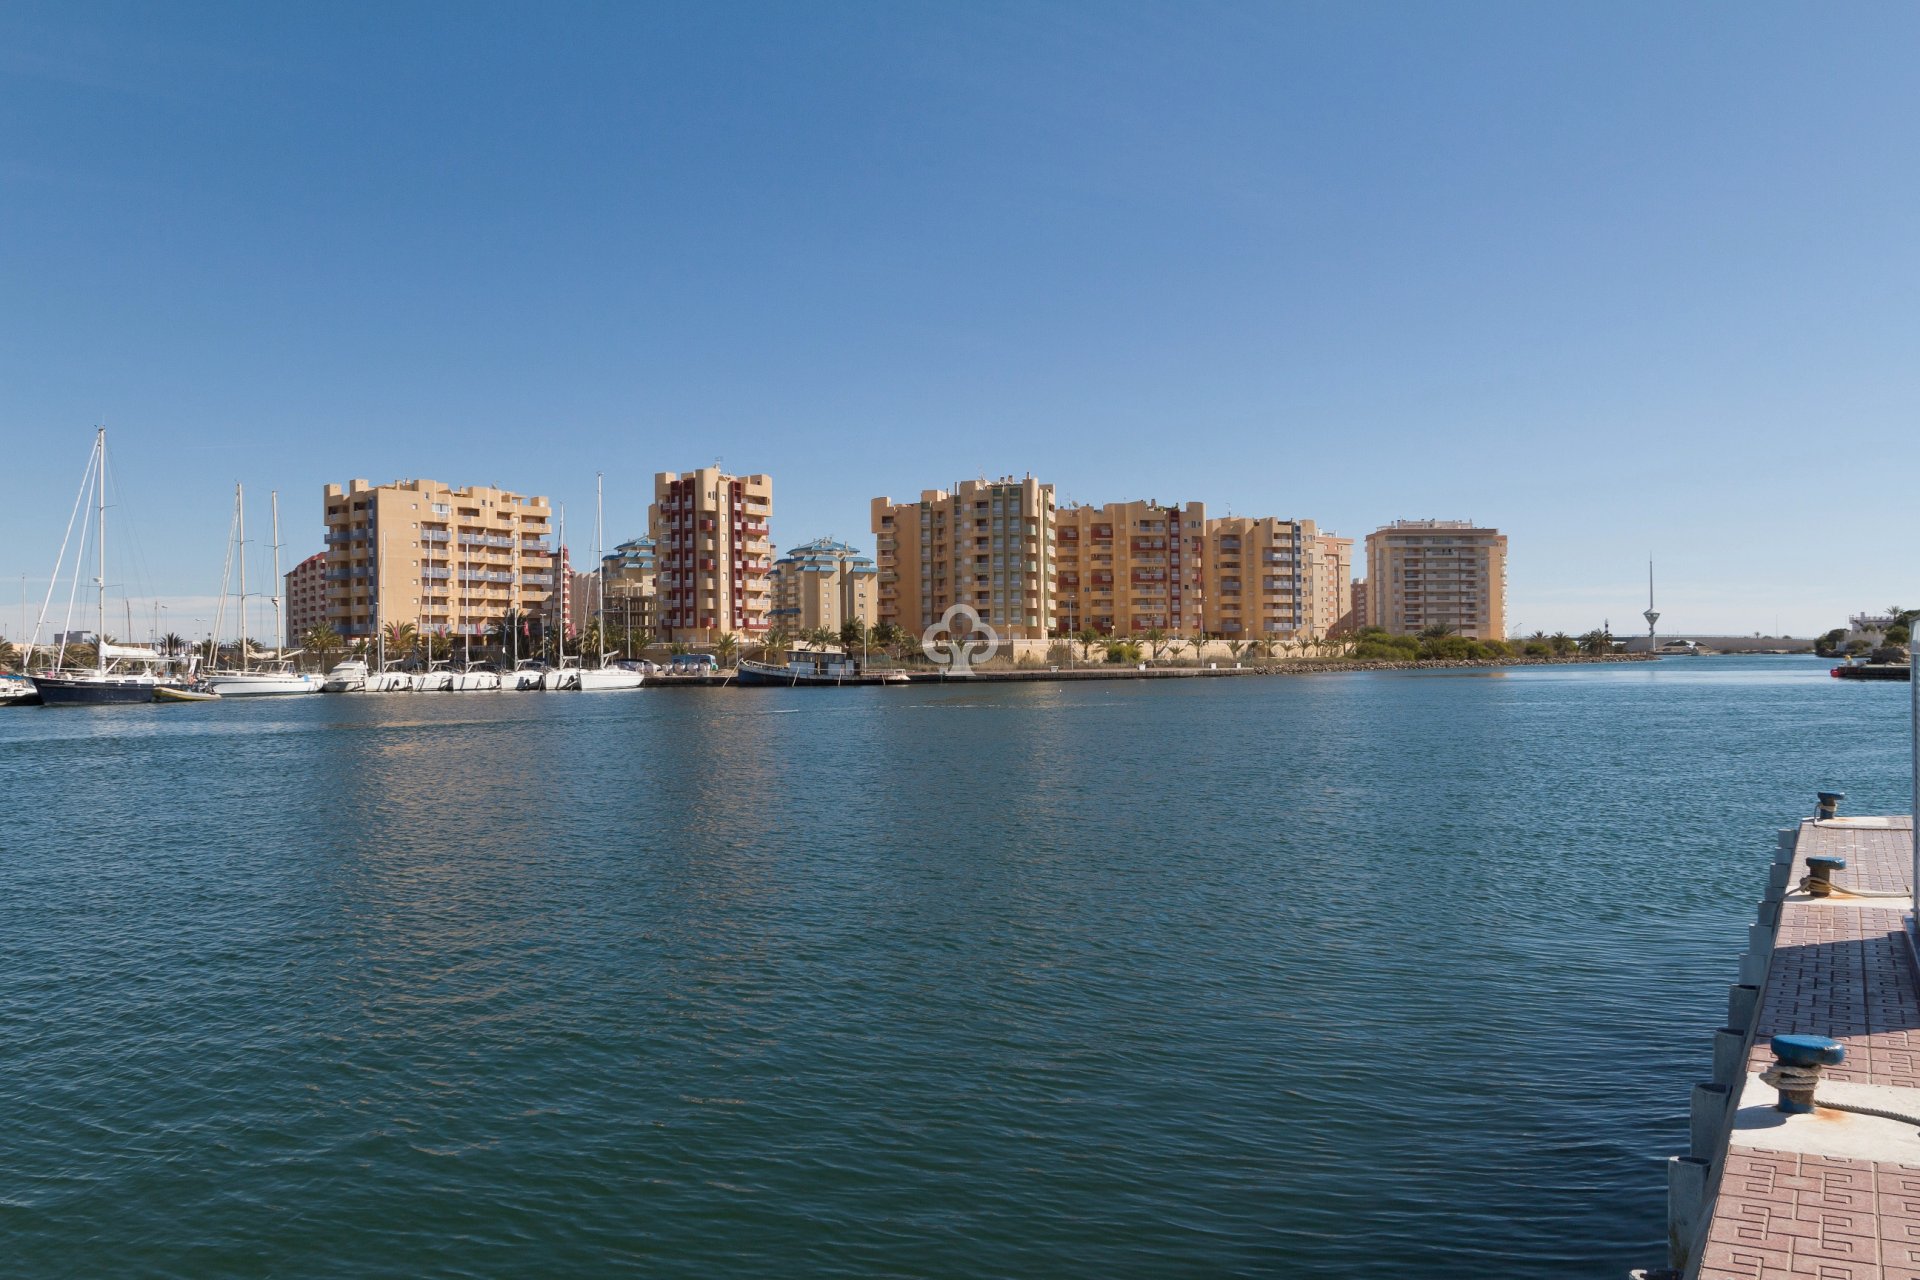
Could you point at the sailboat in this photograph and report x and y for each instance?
(277, 674)
(606, 675)
(117, 674)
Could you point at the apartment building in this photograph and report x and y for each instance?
(1356, 614)
(1130, 567)
(714, 557)
(306, 596)
(449, 561)
(1330, 560)
(984, 543)
(631, 572)
(823, 584)
(1449, 573)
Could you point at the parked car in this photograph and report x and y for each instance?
(694, 664)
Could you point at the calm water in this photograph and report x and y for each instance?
(1326, 976)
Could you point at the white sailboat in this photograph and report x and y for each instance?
(605, 676)
(120, 673)
(277, 674)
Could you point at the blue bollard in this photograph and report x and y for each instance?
(1829, 804)
(1797, 1062)
(1820, 875)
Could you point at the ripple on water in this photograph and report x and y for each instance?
(1304, 977)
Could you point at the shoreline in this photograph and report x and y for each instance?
(1293, 667)
(1297, 667)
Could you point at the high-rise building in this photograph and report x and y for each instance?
(631, 571)
(1130, 567)
(710, 536)
(1356, 614)
(1446, 573)
(823, 584)
(306, 595)
(988, 544)
(1330, 562)
(449, 561)
(1261, 578)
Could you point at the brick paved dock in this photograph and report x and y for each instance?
(1833, 1194)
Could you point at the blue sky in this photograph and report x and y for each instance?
(1620, 279)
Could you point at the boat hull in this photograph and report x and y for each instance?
(251, 685)
(93, 691)
(601, 679)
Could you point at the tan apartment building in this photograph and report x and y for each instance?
(1356, 614)
(1266, 578)
(823, 584)
(449, 561)
(1130, 567)
(1449, 573)
(713, 552)
(631, 572)
(984, 543)
(1330, 561)
(306, 596)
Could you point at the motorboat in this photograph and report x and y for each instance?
(346, 677)
(18, 691)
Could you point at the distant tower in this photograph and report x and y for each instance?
(1652, 615)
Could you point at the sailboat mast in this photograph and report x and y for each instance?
(599, 559)
(100, 543)
(279, 627)
(240, 517)
(563, 584)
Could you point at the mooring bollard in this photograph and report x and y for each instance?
(1829, 804)
(1820, 875)
(1797, 1063)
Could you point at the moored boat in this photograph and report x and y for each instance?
(184, 693)
(278, 678)
(346, 677)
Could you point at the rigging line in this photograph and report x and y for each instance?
(79, 554)
(53, 583)
(141, 576)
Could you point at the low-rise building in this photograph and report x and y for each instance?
(1437, 573)
(823, 584)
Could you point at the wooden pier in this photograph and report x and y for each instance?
(1763, 1193)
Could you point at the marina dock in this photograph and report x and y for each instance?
(1769, 1188)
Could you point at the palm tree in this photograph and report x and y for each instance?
(773, 645)
(726, 648)
(1174, 645)
(401, 638)
(9, 656)
(1088, 638)
(321, 639)
(1236, 647)
(852, 633)
(1154, 636)
(171, 644)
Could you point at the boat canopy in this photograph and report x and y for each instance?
(111, 652)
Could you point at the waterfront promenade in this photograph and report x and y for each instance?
(1832, 1193)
